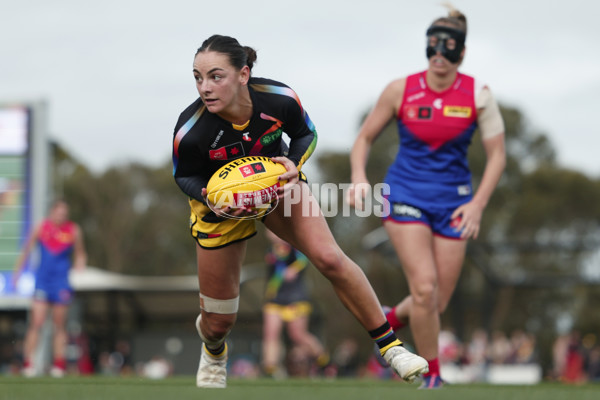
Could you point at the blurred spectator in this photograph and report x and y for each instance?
(374, 369)
(123, 351)
(476, 351)
(110, 363)
(593, 365)
(10, 356)
(244, 367)
(298, 362)
(80, 345)
(499, 349)
(345, 358)
(450, 348)
(522, 348)
(560, 348)
(157, 368)
(576, 359)
(574, 365)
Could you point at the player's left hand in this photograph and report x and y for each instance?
(291, 175)
(468, 217)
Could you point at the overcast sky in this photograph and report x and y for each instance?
(117, 73)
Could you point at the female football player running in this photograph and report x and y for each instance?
(432, 208)
(238, 115)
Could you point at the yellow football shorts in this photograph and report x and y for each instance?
(289, 312)
(212, 232)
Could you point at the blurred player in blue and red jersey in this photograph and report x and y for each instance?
(61, 247)
(432, 207)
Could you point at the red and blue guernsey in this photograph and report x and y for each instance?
(56, 243)
(435, 128)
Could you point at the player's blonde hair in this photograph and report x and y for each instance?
(455, 18)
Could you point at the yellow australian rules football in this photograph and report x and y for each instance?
(246, 182)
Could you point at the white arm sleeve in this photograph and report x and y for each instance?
(489, 118)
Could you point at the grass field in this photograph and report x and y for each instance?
(182, 388)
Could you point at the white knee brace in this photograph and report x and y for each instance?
(216, 306)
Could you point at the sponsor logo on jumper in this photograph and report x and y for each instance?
(411, 112)
(234, 150)
(246, 136)
(437, 103)
(270, 137)
(214, 144)
(457, 111)
(418, 112)
(415, 96)
(425, 112)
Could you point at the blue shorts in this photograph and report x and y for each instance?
(53, 294)
(438, 219)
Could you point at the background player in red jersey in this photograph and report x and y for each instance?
(61, 247)
(232, 118)
(432, 208)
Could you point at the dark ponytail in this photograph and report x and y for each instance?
(239, 56)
